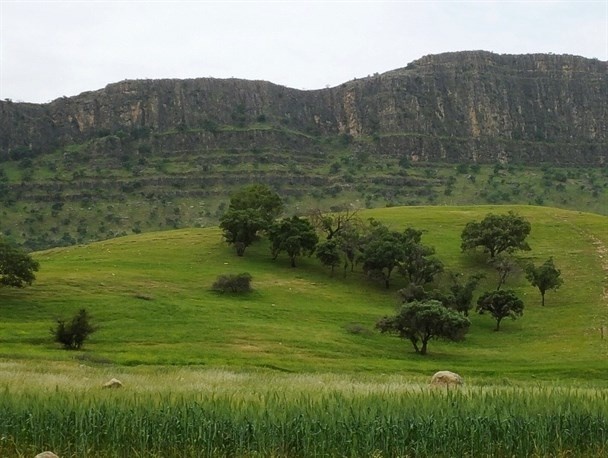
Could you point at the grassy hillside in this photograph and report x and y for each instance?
(150, 294)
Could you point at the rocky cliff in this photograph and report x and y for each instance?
(454, 107)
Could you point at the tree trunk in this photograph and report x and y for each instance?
(415, 344)
(293, 261)
(423, 348)
(498, 324)
(542, 295)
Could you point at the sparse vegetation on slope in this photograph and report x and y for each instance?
(151, 299)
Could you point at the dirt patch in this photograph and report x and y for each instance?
(602, 252)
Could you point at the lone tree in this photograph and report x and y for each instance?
(497, 234)
(544, 277)
(16, 266)
(295, 236)
(419, 322)
(73, 334)
(500, 304)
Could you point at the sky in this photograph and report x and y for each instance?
(50, 49)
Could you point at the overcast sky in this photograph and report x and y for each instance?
(49, 49)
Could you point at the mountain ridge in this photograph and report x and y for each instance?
(472, 106)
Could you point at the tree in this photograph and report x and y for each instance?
(545, 277)
(461, 294)
(328, 254)
(505, 267)
(497, 234)
(260, 198)
(419, 322)
(417, 264)
(16, 266)
(241, 227)
(295, 236)
(332, 223)
(73, 334)
(381, 252)
(500, 304)
(349, 240)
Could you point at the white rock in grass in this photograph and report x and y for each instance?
(114, 383)
(446, 378)
(46, 455)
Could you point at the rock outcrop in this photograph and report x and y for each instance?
(446, 379)
(468, 106)
(113, 383)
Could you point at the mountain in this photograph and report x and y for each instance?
(450, 129)
(466, 106)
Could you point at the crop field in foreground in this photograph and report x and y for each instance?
(296, 368)
(171, 412)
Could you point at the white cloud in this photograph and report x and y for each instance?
(54, 48)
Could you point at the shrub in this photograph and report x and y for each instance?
(73, 334)
(231, 283)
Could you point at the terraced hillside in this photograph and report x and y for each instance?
(462, 128)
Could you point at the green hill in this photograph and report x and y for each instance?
(150, 295)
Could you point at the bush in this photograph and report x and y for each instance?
(230, 283)
(73, 334)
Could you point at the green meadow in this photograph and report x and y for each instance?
(295, 368)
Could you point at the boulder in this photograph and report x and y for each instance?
(46, 454)
(446, 378)
(114, 383)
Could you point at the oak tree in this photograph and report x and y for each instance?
(497, 234)
(420, 322)
(500, 304)
(544, 277)
(16, 266)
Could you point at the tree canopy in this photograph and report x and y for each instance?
(500, 304)
(419, 322)
(295, 236)
(260, 198)
(16, 266)
(497, 234)
(241, 227)
(461, 294)
(329, 254)
(544, 277)
(383, 250)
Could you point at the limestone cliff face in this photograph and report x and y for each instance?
(473, 106)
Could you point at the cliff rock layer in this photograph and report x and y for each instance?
(455, 107)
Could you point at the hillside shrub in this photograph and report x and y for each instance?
(73, 334)
(231, 283)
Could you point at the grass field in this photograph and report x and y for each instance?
(150, 295)
(296, 368)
